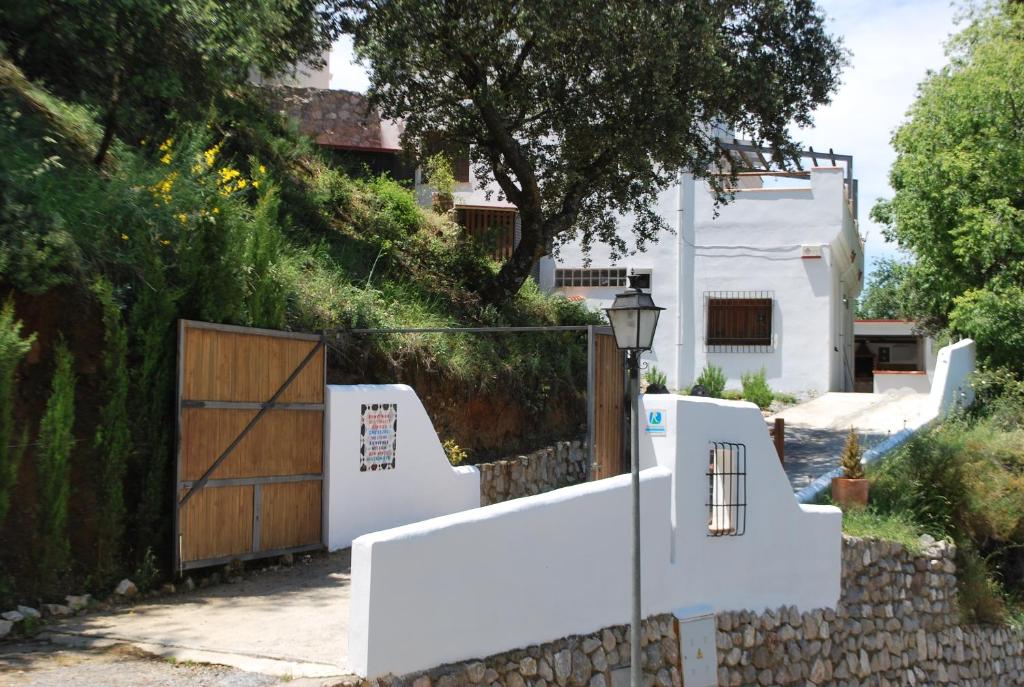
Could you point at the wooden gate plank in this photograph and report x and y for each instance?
(285, 442)
(217, 522)
(290, 515)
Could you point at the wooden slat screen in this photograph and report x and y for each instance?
(265, 497)
(496, 227)
(739, 321)
(609, 400)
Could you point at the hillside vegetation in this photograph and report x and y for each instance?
(232, 218)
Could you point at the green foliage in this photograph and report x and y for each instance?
(148, 572)
(438, 169)
(456, 454)
(732, 395)
(656, 381)
(884, 296)
(13, 347)
(515, 85)
(756, 389)
(298, 245)
(958, 179)
(56, 442)
(785, 399)
(112, 442)
(130, 60)
(870, 524)
(850, 458)
(965, 480)
(712, 378)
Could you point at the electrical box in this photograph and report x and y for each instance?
(696, 629)
(809, 252)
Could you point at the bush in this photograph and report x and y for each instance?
(756, 389)
(13, 348)
(456, 454)
(656, 381)
(712, 378)
(56, 442)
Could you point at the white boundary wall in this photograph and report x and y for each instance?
(422, 485)
(536, 569)
(951, 385)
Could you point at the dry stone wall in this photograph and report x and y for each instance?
(551, 468)
(896, 624)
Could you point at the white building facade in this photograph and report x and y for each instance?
(768, 280)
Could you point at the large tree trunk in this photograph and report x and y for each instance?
(513, 273)
(109, 121)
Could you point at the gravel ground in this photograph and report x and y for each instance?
(41, 664)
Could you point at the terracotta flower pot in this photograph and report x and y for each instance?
(848, 493)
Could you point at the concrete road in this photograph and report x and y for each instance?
(40, 664)
(286, 622)
(816, 430)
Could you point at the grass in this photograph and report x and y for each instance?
(895, 527)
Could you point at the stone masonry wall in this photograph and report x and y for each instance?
(551, 468)
(896, 624)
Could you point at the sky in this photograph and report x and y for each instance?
(894, 44)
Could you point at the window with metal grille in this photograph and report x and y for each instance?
(494, 227)
(739, 319)
(727, 489)
(614, 276)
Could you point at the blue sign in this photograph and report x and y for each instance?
(656, 422)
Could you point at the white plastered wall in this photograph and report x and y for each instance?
(951, 383)
(506, 576)
(752, 245)
(422, 485)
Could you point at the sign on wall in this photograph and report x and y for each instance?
(656, 422)
(378, 433)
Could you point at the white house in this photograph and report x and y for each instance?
(892, 354)
(768, 280)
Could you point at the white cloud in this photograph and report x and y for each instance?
(894, 44)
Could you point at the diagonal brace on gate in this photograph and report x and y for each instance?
(269, 405)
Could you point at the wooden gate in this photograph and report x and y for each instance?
(609, 406)
(250, 461)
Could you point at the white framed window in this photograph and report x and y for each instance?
(590, 277)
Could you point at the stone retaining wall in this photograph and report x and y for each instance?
(896, 624)
(551, 468)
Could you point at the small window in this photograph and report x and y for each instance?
(727, 489)
(457, 154)
(739, 321)
(598, 277)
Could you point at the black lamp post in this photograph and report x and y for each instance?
(634, 317)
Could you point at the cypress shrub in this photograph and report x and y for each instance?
(112, 441)
(56, 441)
(12, 349)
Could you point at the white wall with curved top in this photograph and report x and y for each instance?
(422, 484)
(951, 382)
(539, 568)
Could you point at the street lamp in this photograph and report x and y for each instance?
(634, 317)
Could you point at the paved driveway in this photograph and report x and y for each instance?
(816, 430)
(291, 621)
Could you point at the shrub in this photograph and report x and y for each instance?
(13, 348)
(456, 454)
(850, 459)
(656, 381)
(112, 441)
(56, 441)
(712, 378)
(756, 389)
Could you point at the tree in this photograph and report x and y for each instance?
(56, 442)
(13, 348)
(883, 297)
(140, 61)
(582, 111)
(959, 182)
